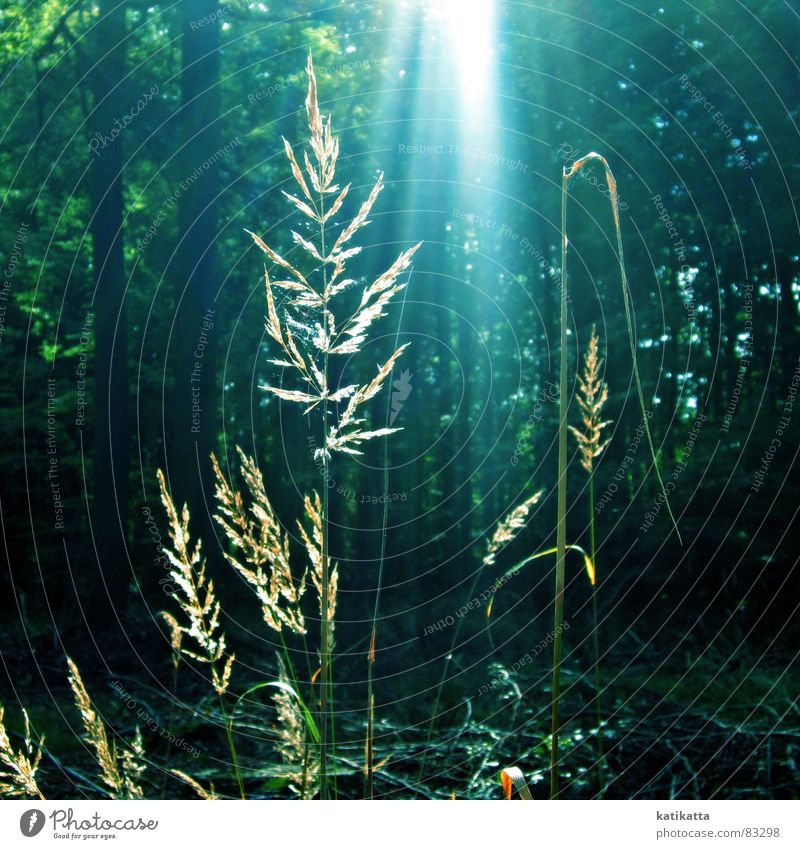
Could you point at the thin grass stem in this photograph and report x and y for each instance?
(596, 645)
(232, 746)
(369, 748)
(325, 640)
(561, 524)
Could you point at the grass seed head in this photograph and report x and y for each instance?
(592, 397)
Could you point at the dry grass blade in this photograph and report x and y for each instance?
(312, 111)
(20, 779)
(303, 207)
(360, 220)
(370, 310)
(307, 246)
(386, 280)
(337, 204)
(296, 172)
(376, 384)
(273, 322)
(294, 395)
(209, 795)
(509, 573)
(512, 779)
(279, 260)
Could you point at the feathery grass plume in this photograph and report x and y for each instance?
(508, 528)
(292, 744)
(175, 637)
(308, 310)
(132, 766)
(316, 324)
(592, 396)
(264, 546)
(120, 772)
(209, 795)
(20, 780)
(313, 544)
(95, 731)
(194, 594)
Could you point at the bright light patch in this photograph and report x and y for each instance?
(468, 30)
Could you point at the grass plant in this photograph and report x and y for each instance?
(563, 429)
(311, 332)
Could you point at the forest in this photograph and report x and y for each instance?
(399, 399)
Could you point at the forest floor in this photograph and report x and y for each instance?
(695, 730)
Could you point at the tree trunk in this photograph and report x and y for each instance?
(111, 449)
(193, 411)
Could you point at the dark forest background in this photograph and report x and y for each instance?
(122, 251)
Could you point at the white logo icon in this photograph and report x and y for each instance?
(31, 822)
(402, 389)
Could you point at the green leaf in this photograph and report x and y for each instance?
(281, 685)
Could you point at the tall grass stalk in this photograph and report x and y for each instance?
(561, 522)
(598, 692)
(563, 426)
(176, 640)
(369, 753)
(325, 625)
(310, 336)
(592, 397)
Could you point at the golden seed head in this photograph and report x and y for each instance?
(19, 777)
(508, 528)
(121, 773)
(592, 396)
